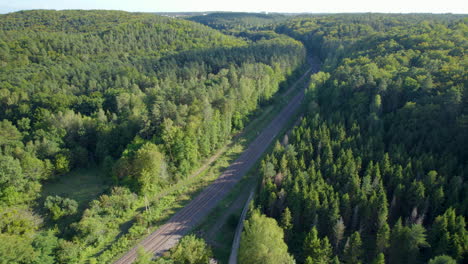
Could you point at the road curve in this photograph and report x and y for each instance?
(193, 213)
(237, 234)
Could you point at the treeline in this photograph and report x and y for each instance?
(145, 97)
(248, 26)
(239, 22)
(332, 37)
(376, 170)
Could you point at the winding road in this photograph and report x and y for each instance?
(193, 213)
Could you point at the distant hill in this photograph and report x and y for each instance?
(232, 20)
(114, 30)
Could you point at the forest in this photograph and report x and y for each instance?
(145, 97)
(374, 172)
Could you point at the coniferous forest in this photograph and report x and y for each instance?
(132, 104)
(376, 170)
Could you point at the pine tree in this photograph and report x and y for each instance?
(382, 238)
(353, 249)
(448, 235)
(286, 220)
(380, 259)
(316, 250)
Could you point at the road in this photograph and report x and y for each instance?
(193, 213)
(240, 227)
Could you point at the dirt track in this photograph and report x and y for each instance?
(191, 215)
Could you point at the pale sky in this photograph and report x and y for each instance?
(290, 6)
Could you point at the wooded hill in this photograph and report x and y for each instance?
(132, 103)
(376, 171)
(145, 97)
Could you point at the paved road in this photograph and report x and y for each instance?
(192, 214)
(240, 227)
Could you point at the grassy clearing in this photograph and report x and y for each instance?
(82, 185)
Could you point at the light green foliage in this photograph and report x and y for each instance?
(108, 210)
(11, 179)
(143, 167)
(69, 252)
(286, 219)
(59, 206)
(442, 260)
(9, 134)
(380, 259)
(449, 236)
(62, 164)
(144, 257)
(262, 242)
(353, 249)
(191, 250)
(17, 231)
(383, 136)
(317, 80)
(16, 250)
(150, 167)
(18, 221)
(19, 178)
(316, 250)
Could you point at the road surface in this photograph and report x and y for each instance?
(193, 213)
(240, 227)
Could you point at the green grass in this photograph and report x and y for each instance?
(82, 185)
(221, 243)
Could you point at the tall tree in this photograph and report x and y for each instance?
(191, 250)
(262, 242)
(353, 249)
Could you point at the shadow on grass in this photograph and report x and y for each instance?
(82, 185)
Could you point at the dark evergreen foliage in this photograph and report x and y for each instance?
(378, 164)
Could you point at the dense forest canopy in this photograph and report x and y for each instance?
(249, 26)
(143, 96)
(238, 21)
(376, 171)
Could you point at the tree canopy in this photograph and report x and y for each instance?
(262, 242)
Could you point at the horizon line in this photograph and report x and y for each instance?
(230, 11)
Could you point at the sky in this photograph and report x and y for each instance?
(286, 6)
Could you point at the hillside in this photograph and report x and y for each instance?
(111, 123)
(122, 104)
(376, 171)
(239, 21)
